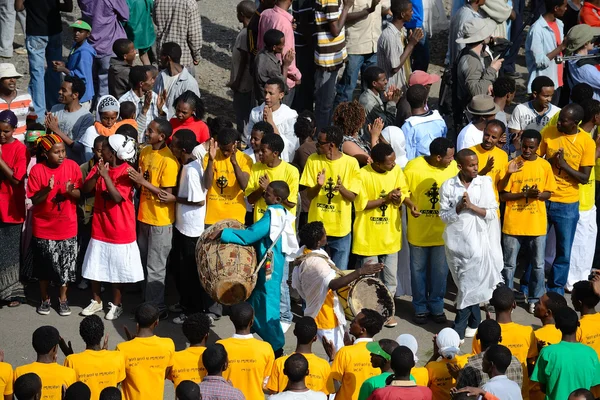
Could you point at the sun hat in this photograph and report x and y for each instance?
(477, 30)
(482, 104)
(79, 24)
(9, 71)
(578, 36)
(422, 78)
(375, 348)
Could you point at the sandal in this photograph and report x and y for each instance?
(16, 302)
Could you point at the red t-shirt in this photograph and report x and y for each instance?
(554, 26)
(56, 217)
(402, 392)
(12, 197)
(589, 15)
(197, 126)
(114, 222)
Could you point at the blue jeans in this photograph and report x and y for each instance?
(338, 248)
(44, 83)
(428, 273)
(533, 278)
(564, 217)
(324, 97)
(470, 316)
(419, 58)
(285, 305)
(347, 84)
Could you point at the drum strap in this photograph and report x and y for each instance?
(268, 257)
(300, 260)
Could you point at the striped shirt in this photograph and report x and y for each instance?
(390, 47)
(152, 113)
(20, 106)
(330, 51)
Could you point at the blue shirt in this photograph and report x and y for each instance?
(80, 62)
(586, 73)
(417, 18)
(420, 131)
(541, 41)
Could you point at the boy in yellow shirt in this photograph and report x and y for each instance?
(54, 377)
(332, 180)
(148, 358)
(28, 387)
(446, 347)
(187, 364)
(6, 378)
(352, 364)
(319, 369)
(250, 360)
(585, 301)
(95, 366)
(157, 173)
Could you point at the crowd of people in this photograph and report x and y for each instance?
(110, 173)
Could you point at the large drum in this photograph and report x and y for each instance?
(367, 292)
(227, 271)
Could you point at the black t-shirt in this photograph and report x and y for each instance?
(43, 17)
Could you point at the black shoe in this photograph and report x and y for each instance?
(44, 308)
(440, 318)
(420, 319)
(64, 309)
(164, 314)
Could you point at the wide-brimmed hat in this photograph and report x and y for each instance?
(477, 30)
(9, 71)
(482, 104)
(422, 78)
(578, 36)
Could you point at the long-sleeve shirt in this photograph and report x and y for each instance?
(280, 19)
(80, 64)
(105, 17)
(475, 75)
(179, 21)
(541, 41)
(143, 120)
(582, 72)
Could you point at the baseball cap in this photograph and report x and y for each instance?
(79, 24)
(422, 78)
(375, 348)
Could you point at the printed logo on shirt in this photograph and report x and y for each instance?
(57, 200)
(384, 206)
(330, 189)
(434, 196)
(222, 183)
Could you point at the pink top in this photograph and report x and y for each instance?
(278, 18)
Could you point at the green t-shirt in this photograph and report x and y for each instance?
(375, 382)
(565, 367)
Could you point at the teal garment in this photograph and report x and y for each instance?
(266, 295)
(375, 382)
(564, 367)
(139, 27)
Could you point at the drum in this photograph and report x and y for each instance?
(226, 271)
(367, 292)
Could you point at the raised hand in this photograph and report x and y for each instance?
(105, 344)
(51, 183)
(136, 176)
(321, 177)
(348, 341)
(103, 169)
(67, 349)
(289, 57)
(69, 187)
(128, 334)
(375, 128)
(415, 36)
(515, 165)
(264, 181)
(212, 149)
(328, 347)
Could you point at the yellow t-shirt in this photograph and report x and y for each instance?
(318, 378)
(53, 377)
(250, 365)
(283, 172)
(587, 191)
(329, 206)
(440, 380)
(160, 168)
(6, 379)
(380, 228)
(326, 318)
(98, 369)
(187, 365)
(352, 366)
(424, 183)
(589, 332)
(146, 361)
(579, 151)
(550, 335)
(500, 163)
(521, 342)
(527, 217)
(225, 197)
(421, 376)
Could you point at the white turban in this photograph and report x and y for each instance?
(125, 147)
(409, 341)
(448, 343)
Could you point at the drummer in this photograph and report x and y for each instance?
(275, 226)
(315, 280)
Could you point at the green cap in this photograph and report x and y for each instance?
(33, 135)
(375, 348)
(79, 24)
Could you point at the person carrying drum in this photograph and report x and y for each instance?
(273, 237)
(314, 278)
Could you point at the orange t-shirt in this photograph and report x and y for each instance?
(554, 26)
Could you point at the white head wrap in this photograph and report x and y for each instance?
(448, 343)
(125, 147)
(395, 137)
(409, 341)
(106, 104)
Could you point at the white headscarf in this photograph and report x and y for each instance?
(409, 341)
(106, 104)
(448, 343)
(395, 137)
(125, 147)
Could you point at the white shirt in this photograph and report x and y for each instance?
(284, 119)
(503, 388)
(250, 153)
(307, 395)
(189, 219)
(525, 117)
(469, 136)
(151, 114)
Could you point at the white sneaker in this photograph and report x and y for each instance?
(180, 319)
(470, 332)
(285, 326)
(92, 309)
(114, 312)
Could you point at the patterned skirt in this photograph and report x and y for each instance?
(10, 238)
(55, 260)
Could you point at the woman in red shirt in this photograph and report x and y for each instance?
(189, 111)
(113, 254)
(53, 187)
(13, 169)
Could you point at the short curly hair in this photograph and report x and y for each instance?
(91, 329)
(350, 117)
(196, 327)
